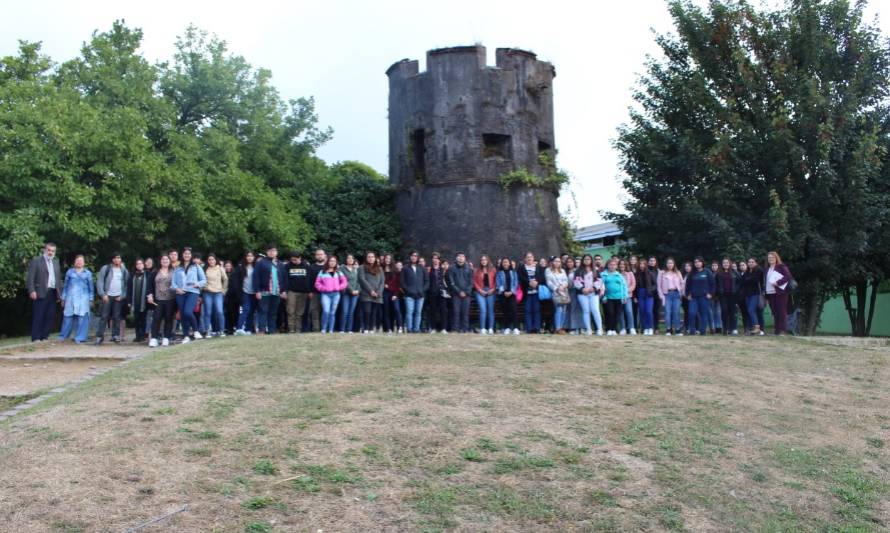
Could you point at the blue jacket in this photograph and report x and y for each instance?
(501, 279)
(615, 285)
(700, 283)
(191, 281)
(262, 276)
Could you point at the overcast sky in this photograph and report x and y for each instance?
(337, 51)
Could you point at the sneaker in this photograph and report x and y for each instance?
(599, 332)
(99, 340)
(239, 332)
(198, 336)
(153, 343)
(444, 332)
(515, 331)
(633, 331)
(734, 332)
(483, 332)
(165, 342)
(507, 331)
(667, 334)
(679, 333)
(623, 332)
(221, 334)
(588, 332)
(761, 334)
(610, 333)
(186, 340)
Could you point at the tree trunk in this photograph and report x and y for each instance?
(861, 293)
(851, 311)
(810, 305)
(871, 304)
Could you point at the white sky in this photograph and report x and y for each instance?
(338, 51)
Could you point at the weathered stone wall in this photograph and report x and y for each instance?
(453, 131)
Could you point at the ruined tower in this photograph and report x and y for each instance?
(454, 131)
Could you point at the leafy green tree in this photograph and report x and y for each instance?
(760, 130)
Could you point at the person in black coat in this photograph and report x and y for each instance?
(45, 284)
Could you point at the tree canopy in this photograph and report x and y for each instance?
(110, 152)
(765, 129)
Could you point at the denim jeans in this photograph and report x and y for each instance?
(80, 324)
(392, 311)
(699, 310)
(532, 306)
(646, 301)
(672, 311)
(414, 312)
(347, 311)
(590, 305)
(186, 305)
(329, 301)
(751, 303)
(248, 311)
(460, 322)
(486, 310)
(213, 309)
(267, 314)
(627, 317)
(559, 316)
(716, 321)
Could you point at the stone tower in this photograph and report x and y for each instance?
(454, 130)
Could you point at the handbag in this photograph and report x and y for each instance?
(561, 297)
(544, 292)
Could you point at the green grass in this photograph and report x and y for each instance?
(265, 467)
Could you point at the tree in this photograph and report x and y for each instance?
(763, 130)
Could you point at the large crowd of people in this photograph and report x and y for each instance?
(183, 296)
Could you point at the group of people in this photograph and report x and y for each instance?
(184, 294)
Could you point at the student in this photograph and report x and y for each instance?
(778, 286)
(161, 296)
(269, 288)
(232, 298)
(627, 316)
(315, 269)
(329, 284)
(558, 283)
(547, 309)
(188, 280)
(392, 295)
(243, 279)
(485, 288)
(715, 319)
(415, 282)
(460, 278)
(300, 289)
(671, 287)
(349, 298)
(136, 291)
(371, 280)
(752, 293)
(634, 263)
(438, 296)
(684, 303)
(573, 322)
(111, 286)
(699, 291)
(216, 287)
(531, 276)
(588, 285)
(727, 283)
(507, 283)
(45, 285)
(647, 290)
(656, 302)
(77, 297)
(614, 295)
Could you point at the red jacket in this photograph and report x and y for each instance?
(478, 278)
(393, 282)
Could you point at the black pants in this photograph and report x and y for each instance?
(232, 308)
(371, 312)
(508, 305)
(684, 303)
(112, 309)
(728, 313)
(44, 316)
(460, 319)
(438, 311)
(743, 312)
(164, 310)
(140, 317)
(656, 310)
(612, 308)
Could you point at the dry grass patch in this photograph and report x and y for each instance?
(463, 432)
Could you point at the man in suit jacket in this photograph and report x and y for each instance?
(45, 284)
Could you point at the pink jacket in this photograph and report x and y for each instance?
(670, 282)
(330, 282)
(631, 283)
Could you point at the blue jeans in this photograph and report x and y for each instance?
(672, 311)
(751, 305)
(347, 311)
(699, 310)
(267, 315)
(460, 321)
(532, 306)
(590, 305)
(559, 316)
(186, 305)
(716, 319)
(627, 317)
(646, 301)
(329, 301)
(392, 312)
(414, 310)
(486, 310)
(213, 309)
(80, 324)
(248, 310)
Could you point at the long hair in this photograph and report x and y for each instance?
(777, 256)
(488, 266)
(373, 268)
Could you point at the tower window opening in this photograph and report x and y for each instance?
(496, 145)
(544, 146)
